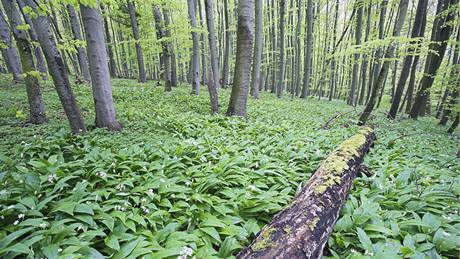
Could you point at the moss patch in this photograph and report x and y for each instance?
(265, 241)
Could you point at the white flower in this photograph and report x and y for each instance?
(353, 251)
(42, 225)
(145, 210)
(188, 183)
(203, 159)
(10, 207)
(101, 174)
(120, 187)
(60, 250)
(143, 200)
(150, 192)
(445, 234)
(252, 187)
(16, 222)
(21, 216)
(173, 196)
(52, 178)
(186, 252)
(368, 253)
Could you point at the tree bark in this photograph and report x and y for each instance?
(212, 40)
(256, 71)
(440, 34)
(379, 83)
(112, 64)
(213, 96)
(170, 48)
(420, 15)
(135, 29)
(81, 52)
(100, 75)
(308, 50)
(10, 53)
(454, 124)
(358, 32)
(228, 39)
(195, 62)
(302, 229)
(244, 43)
(57, 70)
(280, 83)
(166, 55)
(34, 96)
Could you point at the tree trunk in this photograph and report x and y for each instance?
(172, 56)
(10, 53)
(100, 75)
(308, 50)
(134, 27)
(454, 124)
(57, 70)
(302, 229)
(213, 96)
(245, 35)
(354, 80)
(440, 34)
(34, 96)
(195, 62)
(81, 52)
(416, 30)
(203, 42)
(379, 83)
(228, 39)
(365, 57)
(280, 83)
(112, 64)
(256, 70)
(41, 63)
(212, 40)
(166, 55)
(332, 83)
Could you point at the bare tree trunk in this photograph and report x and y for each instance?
(256, 71)
(454, 124)
(280, 83)
(379, 83)
(203, 42)
(441, 32)
(308, 50)
(298, 51)
(166, 55)
(112, 64)
(34, 96)
(228, 39)
(172, 56)
(332, 83)
(358, 32)
(416, 31)
(10, 53)
(213, 96)
(244, 43)
(365, 57)
(212, 40)
(41, 63)
(134, 27)
(100, 75)
(81, 52)
(195, 62)
(57, 69)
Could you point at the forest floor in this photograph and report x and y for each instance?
(177, 180)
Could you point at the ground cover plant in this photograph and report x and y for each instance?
(180, 182)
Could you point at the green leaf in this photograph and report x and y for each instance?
(67, 207)
(13, 236)
(365, 241)
(112, 242)
(84, 208)
(229, 245)
(212, 232)
(51, 251)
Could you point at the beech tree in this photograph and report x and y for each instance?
(34, 95)
(99, 68)
(244, 43)
(212, 40)
(195, 63)
(136, 35)
(9, 52)
(256, 71)
(81, 52)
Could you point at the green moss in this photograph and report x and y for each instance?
(312, 224)
(265, 241)
(287, 229)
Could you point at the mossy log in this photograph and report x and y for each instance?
(302, 229)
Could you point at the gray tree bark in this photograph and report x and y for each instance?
(280, 84)
(112, 64)
(212, 40)
(358, 32)
(195, 62)
(10, 53)
(256, 71)
(228, 39)
(379, 83)
(81, 52)
(99, 68)
(172, 56)
(308, 50)
(244, 43)
(57, 69)
(166, 55)
(135, 29)
(34, 96)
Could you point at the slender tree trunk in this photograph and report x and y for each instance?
(57, 70)
(298, 52)
(280, 83)
(195, 62)
(110, 45)
(166, 55)
(228, 39)
(332, 83)
(365, 56)
(256, 70)
(41, 63)
(245, 35)
(172, 56)
(203, 42)
(212, 40)
(100, 74)
(134, 27)
(420, 15)
(213, 96)
(454, 124)
(308, 50)
(441, 32)
(81, 52)
(379, 83)
(34, 96)
(10, 53)
(354, 80)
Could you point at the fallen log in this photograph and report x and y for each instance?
(302, 229)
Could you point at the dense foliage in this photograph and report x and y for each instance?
(177, 181)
